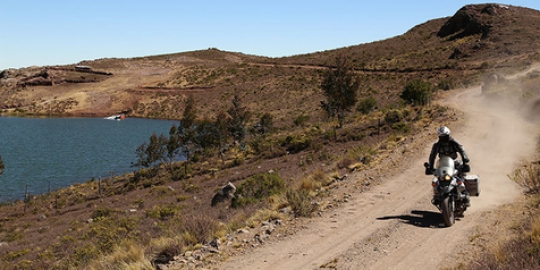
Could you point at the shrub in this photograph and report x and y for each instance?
(199, 228)
(103, 212)
(416, 92)
(162, 190)
(163, 212)
(181, 172)
(295, 144)
(169, 251)
(316, 180)
(258, 187)
(367, 105)
(300, 202)
(145, 174)
(301, 120)
(266, 147)
(529, 177)
(11, 256)
(444, 85)
(393, 116)
(402, 128)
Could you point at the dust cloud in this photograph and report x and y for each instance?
(497, 139)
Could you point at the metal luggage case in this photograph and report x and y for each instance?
(472, 184)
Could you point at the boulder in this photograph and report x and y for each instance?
(223, 194)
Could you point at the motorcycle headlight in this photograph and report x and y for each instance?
(446, 177)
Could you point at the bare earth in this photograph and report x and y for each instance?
(394, 225)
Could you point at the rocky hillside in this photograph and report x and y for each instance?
(155, 214)
(462, 49)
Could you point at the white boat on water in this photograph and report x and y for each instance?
(116, 117)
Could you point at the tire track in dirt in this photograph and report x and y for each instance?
(394, 225)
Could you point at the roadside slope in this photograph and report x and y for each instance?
(394, 225)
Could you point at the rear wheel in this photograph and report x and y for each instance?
(447, 212)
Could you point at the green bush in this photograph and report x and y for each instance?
(182, 172)
(163, 212)
(301, 120)
(145, 174)
(444, 85)
(402, 127)
(295, 144)
(393, 116)
(416, 92)
(258, 187)
(367, 105)
(103, 212)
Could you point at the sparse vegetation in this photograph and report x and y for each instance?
(258, 187)
(522, 250)
(149, 215)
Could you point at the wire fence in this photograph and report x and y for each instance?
(28, 191)
(25, 191)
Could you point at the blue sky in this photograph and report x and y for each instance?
(58, 32)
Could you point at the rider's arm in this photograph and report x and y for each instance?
(461, 151)
(433, 155)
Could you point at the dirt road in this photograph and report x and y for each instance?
(394, 225)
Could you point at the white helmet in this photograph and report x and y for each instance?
(443, 131)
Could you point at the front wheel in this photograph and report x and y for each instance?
(447, 212)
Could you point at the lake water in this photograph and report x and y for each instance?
(39, 152)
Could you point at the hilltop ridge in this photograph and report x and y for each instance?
(460, 49)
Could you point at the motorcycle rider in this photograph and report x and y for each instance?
(448, 146)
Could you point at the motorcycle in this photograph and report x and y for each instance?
(451, 187)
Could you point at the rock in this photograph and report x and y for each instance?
(285, 210)
(260, 238)
(225, 193)
(241, 231)
(268, 229)
(215, 243)
(197, 255)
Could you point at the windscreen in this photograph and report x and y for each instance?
(445, 166)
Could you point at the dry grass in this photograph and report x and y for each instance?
(126, 255)
(288, 88)
(529, 177)
(199, 228)
(522, 249)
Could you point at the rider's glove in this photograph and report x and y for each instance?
(466, 160)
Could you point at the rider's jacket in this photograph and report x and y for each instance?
(447, 147)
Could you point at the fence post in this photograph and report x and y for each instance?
(379, 131)
(25, 197)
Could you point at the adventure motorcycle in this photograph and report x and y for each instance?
(451, 188)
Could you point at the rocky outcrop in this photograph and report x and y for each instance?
(472, 20)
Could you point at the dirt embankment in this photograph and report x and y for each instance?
(394, 225)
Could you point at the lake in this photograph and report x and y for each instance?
(54, 153)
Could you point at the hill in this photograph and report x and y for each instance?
(146, 210)
(478, 39)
